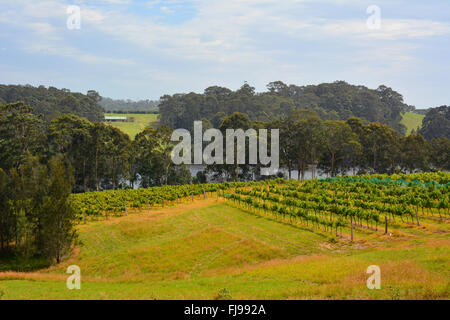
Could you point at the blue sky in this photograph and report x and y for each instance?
(143, 49)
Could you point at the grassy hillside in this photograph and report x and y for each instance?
(412, 121)
(195, 250)
(133, 128)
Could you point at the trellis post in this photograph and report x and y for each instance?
(385, 225)
(351, 228)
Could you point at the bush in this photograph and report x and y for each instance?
(223, 294)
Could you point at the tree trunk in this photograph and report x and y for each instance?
(332, 164)
(374, 158)
(301, 170)
(167, 174)
(96, 168)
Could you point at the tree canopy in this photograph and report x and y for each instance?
(330, 101)
(436, 123)
(112, 105)
(52, 102)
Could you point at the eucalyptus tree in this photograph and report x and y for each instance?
(415, 152)
(21, 132)
(440, 153)
(36, 212)
(309, 139)
(117, 155)
(70, 136)
(340, 143)
(381, 147)
(233, 171)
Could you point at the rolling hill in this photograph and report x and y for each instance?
(133, 128)
(412, 121)
(209, 249)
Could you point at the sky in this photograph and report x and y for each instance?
(136, 49)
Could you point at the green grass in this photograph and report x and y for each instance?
(133, 128)
(412, 121)
(195, 250)
(10, 262)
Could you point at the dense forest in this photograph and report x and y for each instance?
(309, 118)
(330, 101)
(52, 102)
(104, 157)
(336, 147)
(42, 162)
(111, 105)
(436, 123)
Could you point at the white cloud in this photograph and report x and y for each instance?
(225, 31)
(391, 29)
(74, 54)
(167, 10)
(261, 39)
(42, 28)
(117, 1)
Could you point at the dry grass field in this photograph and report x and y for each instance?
(198, 249)
(141, 121)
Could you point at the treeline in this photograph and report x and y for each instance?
(330, 101)
(128, 106)
(436, 123)
(133, 112)
(103, 157)
(36, 214)
(52, 102)
(42, 163)
(421, 111)
(339, 146)
(336, 147)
